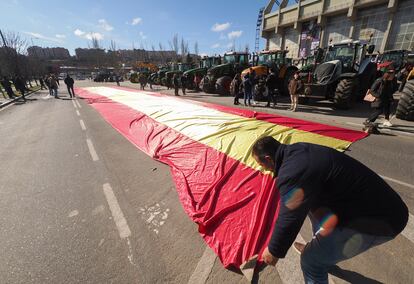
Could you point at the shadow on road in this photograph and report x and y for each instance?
(352, 276)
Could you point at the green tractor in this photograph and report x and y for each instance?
(177, 68)
(205, 63)
(157, 76)
(218, 78)
(344, 75)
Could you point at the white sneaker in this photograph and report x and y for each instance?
(387, 123)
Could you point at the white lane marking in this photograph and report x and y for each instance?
(73, 213)
(204, 267)
(77, 113)
(78, 104)
(118, 216)
(74, 105)
(398, 182)
(92, 150)
(409, 229)
(82, 124)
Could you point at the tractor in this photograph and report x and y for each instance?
(405, 108)
(344, 75)
(397, 58)
(219, 77)
(205, 63)
(276, 61)
(177, 68)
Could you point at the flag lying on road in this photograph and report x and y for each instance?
(208, 148)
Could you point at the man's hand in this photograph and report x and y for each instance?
(269, 258)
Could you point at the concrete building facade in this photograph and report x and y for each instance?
(303, 26)
(48, 53)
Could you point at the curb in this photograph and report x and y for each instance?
(16, 99)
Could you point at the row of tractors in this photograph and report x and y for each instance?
(341, 73)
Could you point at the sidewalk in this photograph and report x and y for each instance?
(6, 101)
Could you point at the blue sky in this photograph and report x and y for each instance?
(214, 24)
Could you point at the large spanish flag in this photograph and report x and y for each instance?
(208, 148)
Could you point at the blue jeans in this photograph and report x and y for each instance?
(55, 92)
(247, 96)
(324, 251)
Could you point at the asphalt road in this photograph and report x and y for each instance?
(79, 203)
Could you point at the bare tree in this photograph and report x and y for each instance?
(12, 56)
(112, 46)
(196, 48)
(160, 46)
(95, 43)
(174, 44)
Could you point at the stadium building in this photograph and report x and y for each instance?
(304, 25)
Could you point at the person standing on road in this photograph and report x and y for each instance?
(247, 87)
(183, 81)
(383, 90)
(295, 88)
(20, 86)
(351, 208)
(69, 84)
(235, 88)
(271, 85)
(53, 86)
(117, 80)
(7, 87)
(253, 79)
(42, 84)
(197, 81)
(176, 84)
(142, 80)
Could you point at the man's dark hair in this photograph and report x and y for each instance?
(265, 146)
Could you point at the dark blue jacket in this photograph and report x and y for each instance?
(312, 177)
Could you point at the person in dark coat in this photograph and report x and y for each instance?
(176, 84)
(271, 86)
(42, 84)
(253, 82)
(235, 87)
(383, 90)
(247, 87)
(20, 86)
(183, 82)
(7, 87)
(351, 208)
(69, 84)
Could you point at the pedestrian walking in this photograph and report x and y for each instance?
(271, 86)
(47, 82)
(142, 80)
(351, 208)
(183, 82)
(235, 88)
(383, 90)
(42, 84)
(69, 84)
(176, 84)
(7, 87)
(117, 80)
(20, 86)
(295, 88)
(247, 87)
(53, 86)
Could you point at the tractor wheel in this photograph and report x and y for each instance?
(223, 85)
(344, 93)
(405, 108)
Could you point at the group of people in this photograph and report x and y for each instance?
(19, 84)
(179, 82)
(246, 87)
(52, 83)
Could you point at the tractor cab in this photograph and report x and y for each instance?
(397, 58)
(208, 62)
(349, 53)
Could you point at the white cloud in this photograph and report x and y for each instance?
(89, 35)
(216, 45)
(136, 21)
(60, 36)
(220, 27)
(79, 33)
(142, 35)
(43, 37)
(105, 25)
(234, 34)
